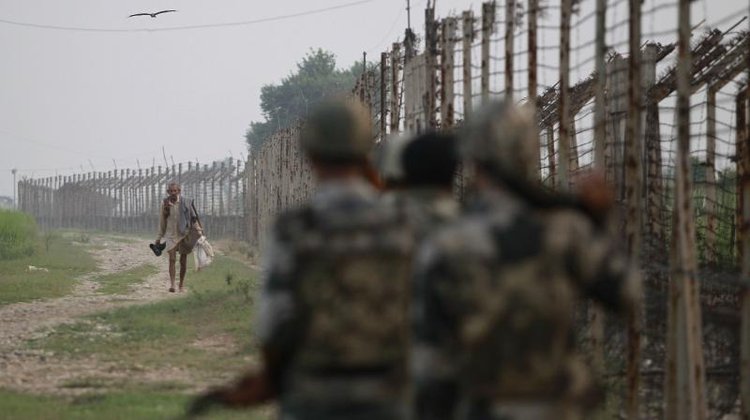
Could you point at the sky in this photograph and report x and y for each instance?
(73, 100)
(78, 99)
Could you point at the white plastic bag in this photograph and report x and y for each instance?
(203, 253)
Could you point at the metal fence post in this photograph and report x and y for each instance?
(510, 23)
(685, 372)
(600, 129)
(551, 156)
(564, 140)
(395, 91)
(383, 95)
(488, 21)
(634, 184)
(448, 41)
(467, 26)
(745, 302)
(536, 153)
(213, 188)
(711, 196)
(596, 314)
(743, 149)
(654, 183)
(430, 27)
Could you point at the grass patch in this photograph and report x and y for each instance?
(18, 235)
(120, 283)
(64, 262)
(135, 404)
(190, 332)
(87, 383)
(206, 332)
(240, 250)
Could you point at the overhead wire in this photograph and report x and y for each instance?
(188, 27)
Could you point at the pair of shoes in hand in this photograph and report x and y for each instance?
(157, 248)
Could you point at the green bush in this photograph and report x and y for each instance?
(18, 235)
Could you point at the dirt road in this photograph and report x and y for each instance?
(38, 371)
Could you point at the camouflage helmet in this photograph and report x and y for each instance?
(499, 137)
(337, 131)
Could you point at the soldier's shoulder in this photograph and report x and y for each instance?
(570, 220)
(465, 235)
(293, 222)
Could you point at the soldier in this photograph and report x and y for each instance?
(430, 163)
(333, 321)
(418, 172)
(495, 291)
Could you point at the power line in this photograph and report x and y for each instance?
(188, 27)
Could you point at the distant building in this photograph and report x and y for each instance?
(6, 202)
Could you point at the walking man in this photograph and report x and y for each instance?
(176, 219)
(495, 291)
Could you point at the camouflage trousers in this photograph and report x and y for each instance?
(524, 410)
(349, 397)
(359, 411)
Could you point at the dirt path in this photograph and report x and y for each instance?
(38, 371)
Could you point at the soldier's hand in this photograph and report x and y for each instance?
(205, 402)
(594, 192)
(250, 390)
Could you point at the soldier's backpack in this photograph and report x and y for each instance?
(353, 280)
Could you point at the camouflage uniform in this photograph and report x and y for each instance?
(494, 301)
(427, 209)
(334, 304)
(427, 205)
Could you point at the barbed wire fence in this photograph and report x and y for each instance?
(635, 89)
(678, 199)
(128, 200)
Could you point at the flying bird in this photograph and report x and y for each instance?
(153, 15)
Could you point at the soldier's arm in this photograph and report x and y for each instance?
(279, 320)
(603, 269)
(434, 332)
(274, 327)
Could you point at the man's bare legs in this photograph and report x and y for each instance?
(172, 261)
(183, 270)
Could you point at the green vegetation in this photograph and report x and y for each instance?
(726, 206)
(187, 333)
(63, 262)
(206, 333)
(120, 283)
(130, 404)
(726, 229)
(315, 79)
(18, 235)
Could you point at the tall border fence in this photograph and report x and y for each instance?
(655, 99)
